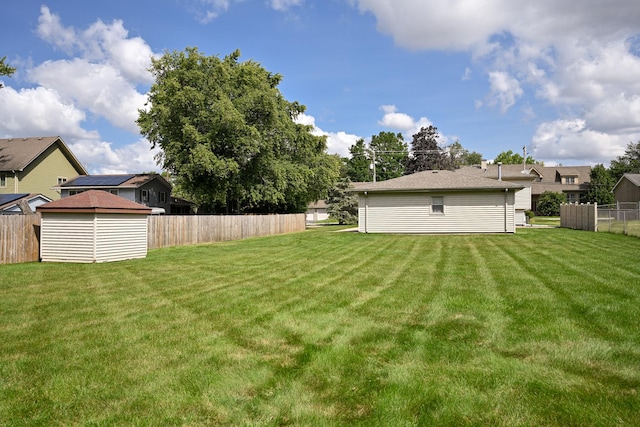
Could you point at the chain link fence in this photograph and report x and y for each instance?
(615, 219)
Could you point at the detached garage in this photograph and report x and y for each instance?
(437, 202)
(93, 226)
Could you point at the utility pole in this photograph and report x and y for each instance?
(524, 158)
(374, 165)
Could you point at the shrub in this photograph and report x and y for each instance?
(549, 203)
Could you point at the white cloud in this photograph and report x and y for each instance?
(39, 112)
(103, 79)
(283, 5)
(467, 25)
(96, 87)
(572, 140)
(402, 122)
(208, 10)
(212, 9)
(505, 90)
(616, 114)
(108, 44)
(101, 157)
(337, 142)
(51, 30)
(579, 57)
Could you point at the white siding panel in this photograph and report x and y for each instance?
(73, 237)
(67, 237)
(120, 237)
(523, 198)
(477, 212)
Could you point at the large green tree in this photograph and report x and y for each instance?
(629, 162)
(230, 137)
(511, 158)
(460, 156)
(359, 164)
(426, 153)
(600, 186)
(390, 153)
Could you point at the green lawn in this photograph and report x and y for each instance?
(323, 328)
(546, 220)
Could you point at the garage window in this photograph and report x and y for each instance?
(437, 205)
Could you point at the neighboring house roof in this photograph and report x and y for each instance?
(18, 153)
(550, 179)
(8, 199)
(442, 180)
(507, 172)
(318, 204)
(94, 201)
(113, 181)
(9, 203)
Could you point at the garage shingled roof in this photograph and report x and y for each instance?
(95, 201)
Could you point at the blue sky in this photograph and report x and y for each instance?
(496, 75)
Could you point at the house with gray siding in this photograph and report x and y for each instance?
(437, 202)
(150, 190)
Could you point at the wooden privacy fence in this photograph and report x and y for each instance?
(579, 217)
(175, 230)
(19, 238)
(20, 234)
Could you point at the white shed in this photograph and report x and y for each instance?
(93, 226)
(437, 202)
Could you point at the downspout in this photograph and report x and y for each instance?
(15, 182)
(366, 212)
(506, 210)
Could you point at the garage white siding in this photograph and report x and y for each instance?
(67, 237)
(120, 237)
(92, 237)
(464, 212)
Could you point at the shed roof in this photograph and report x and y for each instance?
(17, 153)
(633, 178)
(95, 201)
(438, 180)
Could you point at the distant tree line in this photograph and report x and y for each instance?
(388, 156)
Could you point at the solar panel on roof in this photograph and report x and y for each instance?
(8, 198)
(98, 180)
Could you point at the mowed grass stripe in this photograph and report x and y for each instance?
(324, 328)
(590, 292)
